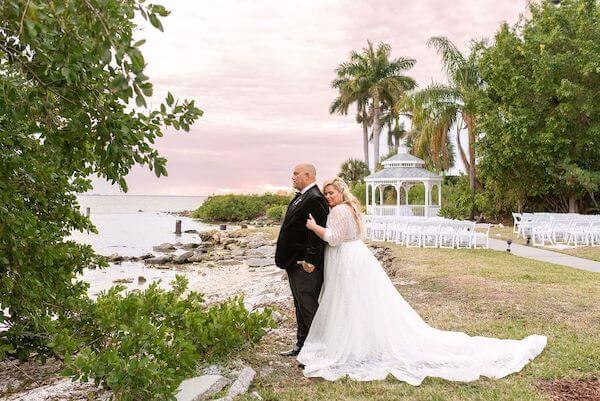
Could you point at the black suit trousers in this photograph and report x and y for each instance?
(306, 288)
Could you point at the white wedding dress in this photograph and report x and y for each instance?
(364, 329)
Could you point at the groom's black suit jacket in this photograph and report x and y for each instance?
(296, 242)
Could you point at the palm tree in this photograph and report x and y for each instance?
(341, 104)
(432, 117)
(371, 80)
(395, 129)
(353, 171)
(437, 108)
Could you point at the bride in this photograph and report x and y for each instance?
(365, 329)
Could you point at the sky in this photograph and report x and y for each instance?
(261, 72)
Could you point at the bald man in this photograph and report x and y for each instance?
(300, 251)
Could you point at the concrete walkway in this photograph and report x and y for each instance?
(544, 255)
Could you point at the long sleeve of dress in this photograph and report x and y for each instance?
(338, 224)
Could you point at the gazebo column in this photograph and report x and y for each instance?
(427, 202)
(439, 194)
(367, 196)
(398, 186)
(381, 190)
(373, 189)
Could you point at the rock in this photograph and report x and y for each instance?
(216, 238)
(190, 245)
(123, 281)
(200, 387)
(146, 256)
(114, 258)
(237, 252)
(263, 251)
(242, 383)
(278, 317)
(184, 257)
(206, 236)
(191, 231)
(231, 262)
(197, 257)
(257, 242)
(260, 262)
(166, 247)
(159, 260)
(141, 280)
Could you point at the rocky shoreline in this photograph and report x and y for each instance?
(223, 264)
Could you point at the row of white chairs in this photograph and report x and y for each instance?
(434, 232)
(558, 228)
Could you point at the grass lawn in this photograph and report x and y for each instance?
(586, 252)
(481, 292)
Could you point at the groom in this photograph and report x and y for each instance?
(300, 251)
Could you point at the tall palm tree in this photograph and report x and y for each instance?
(437, 108)
(341, 104)
(395, 129)
(371, 79)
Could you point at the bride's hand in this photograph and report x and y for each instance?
(311, 224)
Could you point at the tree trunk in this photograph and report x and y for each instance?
(463, 156)
(376, 132)
(445, 150)
(469, 120)
(365, 128)
(573, 207)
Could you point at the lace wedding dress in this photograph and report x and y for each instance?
(365, 329)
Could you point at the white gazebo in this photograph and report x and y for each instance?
(403, 172)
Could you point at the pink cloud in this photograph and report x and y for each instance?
(261, 71)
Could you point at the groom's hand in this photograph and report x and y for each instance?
(307, 267)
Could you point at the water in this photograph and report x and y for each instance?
(115, 204)
(125, 230)
(131, 225)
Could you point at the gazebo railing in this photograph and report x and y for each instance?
(403, 210)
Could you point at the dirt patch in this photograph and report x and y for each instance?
(572, 390)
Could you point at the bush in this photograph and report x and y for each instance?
(276, 213)
(238, 207)
(457, 199)
(359, 190)
(143, 344)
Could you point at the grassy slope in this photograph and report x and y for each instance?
(480, 292)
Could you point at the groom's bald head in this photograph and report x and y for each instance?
(304, 175)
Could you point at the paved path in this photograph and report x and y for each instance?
(544, 255)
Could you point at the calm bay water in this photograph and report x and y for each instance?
(131, 225)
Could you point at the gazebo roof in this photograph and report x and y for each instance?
(403, 167)
(403, 158)
(402, 173)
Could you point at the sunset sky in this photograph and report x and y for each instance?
(261, 71)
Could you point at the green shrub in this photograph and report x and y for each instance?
(359, 190)
(276, 213)
(143, 344)
(457, 199)
(238, 207)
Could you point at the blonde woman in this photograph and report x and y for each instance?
(364, 329)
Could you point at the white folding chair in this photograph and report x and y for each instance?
(413, 236)
(579, 233)
(483, 235)
(516, 221)
(463, 234)
(446, 234)
(430, 234)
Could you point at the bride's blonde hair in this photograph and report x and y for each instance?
(348, 198)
